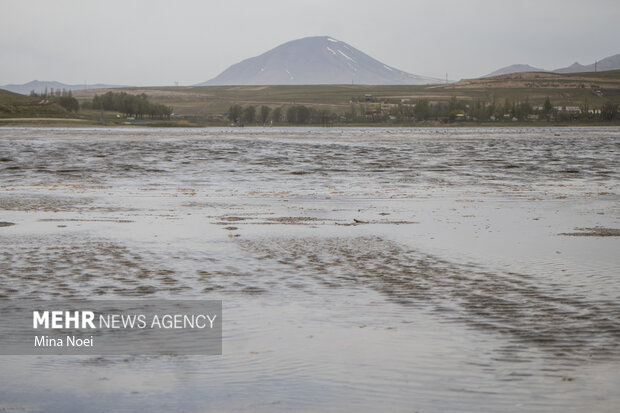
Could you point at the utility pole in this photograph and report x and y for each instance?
(595, 66)
(446, 78)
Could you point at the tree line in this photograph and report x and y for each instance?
(480, 111)
(137, 106)
(62, 97)
(295, 115)
(423, 110)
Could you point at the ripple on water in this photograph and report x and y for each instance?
(564, 324)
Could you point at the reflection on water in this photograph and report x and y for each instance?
(368, 269)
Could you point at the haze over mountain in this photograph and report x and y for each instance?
(318, 60)
(608, 63)
(518, 68)
(40, 87)
(315, 60)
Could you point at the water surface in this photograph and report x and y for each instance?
(368, 269)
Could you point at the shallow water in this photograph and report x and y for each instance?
(368, 269)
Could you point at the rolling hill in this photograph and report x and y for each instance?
(39, 86)
(606, 64)
(14, 105)
(518, 68)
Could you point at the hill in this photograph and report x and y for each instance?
(609, 80)
(603, 65)
(606, 64)
(40, 87)
(313, 61)
(210, 103)
(518, 68)
(14, 105)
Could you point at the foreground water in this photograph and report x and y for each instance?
(368, 269)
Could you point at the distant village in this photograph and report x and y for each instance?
(369, 109)
(398, 110)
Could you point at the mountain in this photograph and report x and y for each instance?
(518, 68)
(315, 60)
(608, 63)
(40, 86)
(574, 68)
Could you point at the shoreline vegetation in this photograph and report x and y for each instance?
(81, 123)
(515, 100)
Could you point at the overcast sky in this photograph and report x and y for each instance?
(156, 42)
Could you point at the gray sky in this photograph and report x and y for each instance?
(159, 42)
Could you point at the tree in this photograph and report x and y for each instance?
(351, 115)
(68, 102)
(234, 113)
(291, 114)
(130, 105)
(327, 118)
(609, 111)
(521, 110)
(298, 114)
(479, 111)
(585, 109)
(547, 108)
(453, 108)
(422, 110)
(249, 115)
(264, 114)
(276, 115)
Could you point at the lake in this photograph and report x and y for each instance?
(368, 269)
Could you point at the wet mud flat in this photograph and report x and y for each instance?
(594, 232)
(424, 269)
